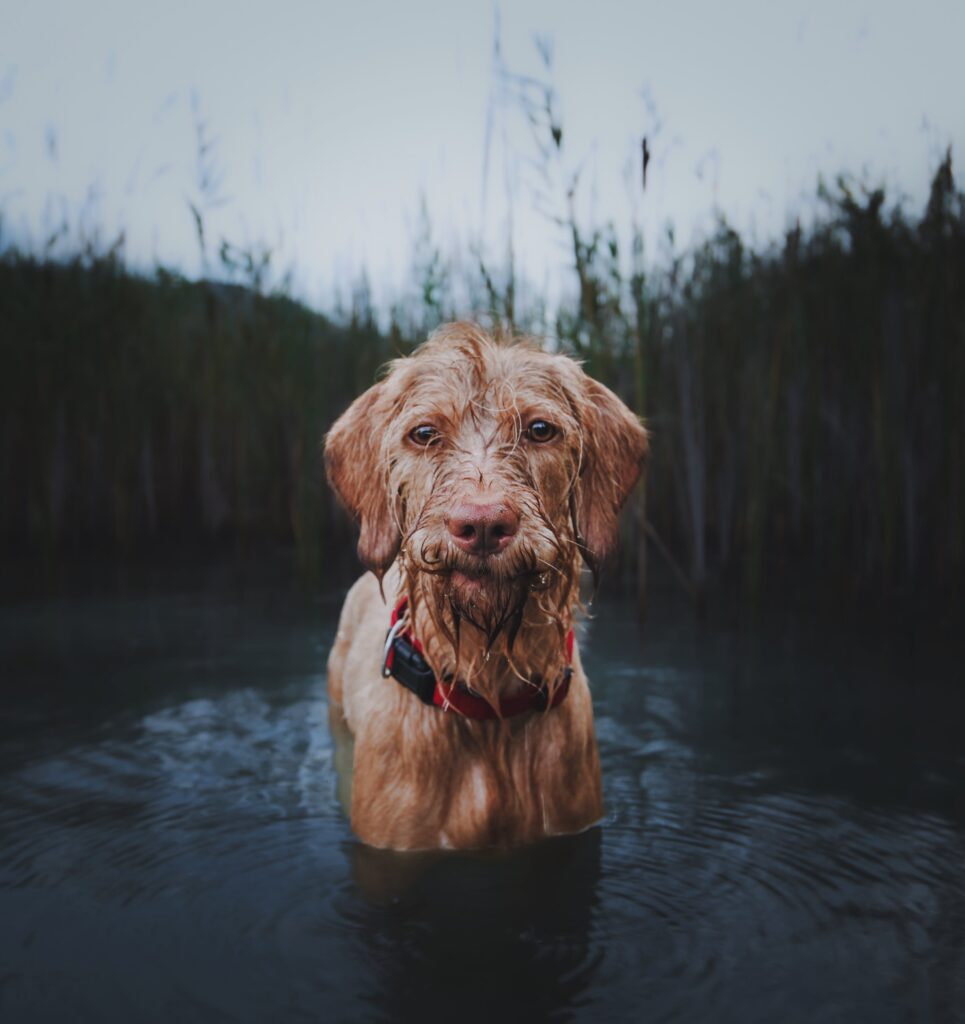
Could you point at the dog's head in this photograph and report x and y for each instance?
(492, 467)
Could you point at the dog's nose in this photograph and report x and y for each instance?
(483, 529)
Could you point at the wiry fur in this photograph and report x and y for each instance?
(422, 777)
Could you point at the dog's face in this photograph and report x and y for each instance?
(491, 467)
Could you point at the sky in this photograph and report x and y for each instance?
(330, 125)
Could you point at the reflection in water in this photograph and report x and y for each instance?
(503, 931)
(783, 840)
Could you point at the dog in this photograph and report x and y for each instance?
(482, 472)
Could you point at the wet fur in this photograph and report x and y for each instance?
(424, 778)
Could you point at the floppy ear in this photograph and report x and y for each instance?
(615, 448)
(358, 476)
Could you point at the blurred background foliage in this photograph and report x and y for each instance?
(805, 397)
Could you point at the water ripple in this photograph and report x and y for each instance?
(188, 858)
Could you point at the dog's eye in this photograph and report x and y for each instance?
(424, 435)
(540, 430)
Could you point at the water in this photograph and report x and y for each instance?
(783, 841)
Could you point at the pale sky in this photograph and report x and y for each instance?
(331, 121)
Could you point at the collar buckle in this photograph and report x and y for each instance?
(394, 631)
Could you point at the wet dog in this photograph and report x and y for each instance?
(483, 473)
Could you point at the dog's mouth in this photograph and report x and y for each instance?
(487, 598)
(480, 573)
(483, 588)
(480, 596)
(439, 559)
(485, 591)
(472, 579)
(478, 576)
(475, 580)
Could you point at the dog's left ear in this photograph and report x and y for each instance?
(615, 447)
(358, 475)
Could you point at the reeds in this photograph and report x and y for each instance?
(805, 399)
(139, 410)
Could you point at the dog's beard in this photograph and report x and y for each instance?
(476, 592)
(488, 593)
(490, 603)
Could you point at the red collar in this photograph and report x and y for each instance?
(404, 661)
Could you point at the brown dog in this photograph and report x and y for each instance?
(481, 472)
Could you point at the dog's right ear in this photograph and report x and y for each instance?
(358, 476)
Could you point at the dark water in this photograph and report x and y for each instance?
(785, 836)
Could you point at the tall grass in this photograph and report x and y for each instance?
(138, 410)
(805, 398)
